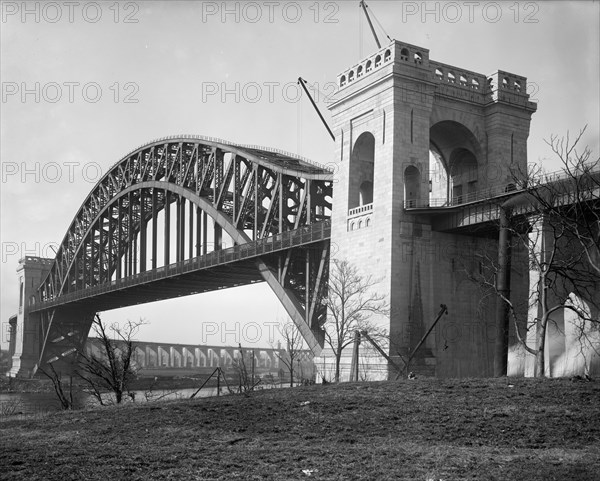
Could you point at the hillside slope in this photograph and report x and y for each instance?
(503, 429)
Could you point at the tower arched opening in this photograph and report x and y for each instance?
(454, 148)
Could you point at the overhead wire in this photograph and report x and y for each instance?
(379, 23)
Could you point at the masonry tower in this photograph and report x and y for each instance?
(411, 132)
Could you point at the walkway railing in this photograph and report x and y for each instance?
(305, 235)
(497, 191)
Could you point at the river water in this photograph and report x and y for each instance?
(27, 404)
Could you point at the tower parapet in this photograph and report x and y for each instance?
(449, 80)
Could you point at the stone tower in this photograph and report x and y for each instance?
(414, 133)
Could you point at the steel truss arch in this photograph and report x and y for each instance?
(249, 194)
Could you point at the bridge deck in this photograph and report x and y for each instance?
(190, 275)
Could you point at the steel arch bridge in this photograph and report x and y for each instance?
(189, 214)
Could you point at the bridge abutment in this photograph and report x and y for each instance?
(27, 330)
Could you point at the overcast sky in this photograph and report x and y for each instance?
(84, 84)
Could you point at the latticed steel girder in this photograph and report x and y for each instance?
(200, 189)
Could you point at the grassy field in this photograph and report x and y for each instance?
(424, 429)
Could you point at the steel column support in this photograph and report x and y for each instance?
(167, 231)
(129, 269)
(218, 236)
(198, 232)
(111, 233)
(256, 202)
(135, 254)
(309, 207)
(154, 227)
(281, 198)
(100, 248)
(191, 232)
(236, 187)
(76, 273)
(143, 237)
(84, 272)
(180, 229)
(204, 232)
(92, 254)
(120, 241)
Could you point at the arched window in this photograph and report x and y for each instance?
(350, 76)
(475, 84)
(368, 222)
(463, 80)
(359, 72)
(404, 54)
(387, 56)
(377, 61)
(451, 77)
(342, 81)
(362, 168)
(351, 225)
(360, 224)
(369, 66)
(418, 58)
(439, 74)
(517, 86)
(505, 83)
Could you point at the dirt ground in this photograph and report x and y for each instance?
(423, 429)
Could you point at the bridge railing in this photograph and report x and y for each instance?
(498, 191)
(278, 242)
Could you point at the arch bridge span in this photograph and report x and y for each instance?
(184, 215)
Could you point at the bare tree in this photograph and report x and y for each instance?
(245, 378)
(65, 398)
(293, 345)
(351, 300)
(574, 196)
(555, 220)
(113, 368)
